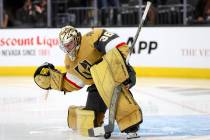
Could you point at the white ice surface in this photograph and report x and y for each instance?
(29, 113)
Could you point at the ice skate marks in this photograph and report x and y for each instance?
(188, 125)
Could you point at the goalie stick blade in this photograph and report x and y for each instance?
(97, 131)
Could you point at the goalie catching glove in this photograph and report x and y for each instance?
(47, 77)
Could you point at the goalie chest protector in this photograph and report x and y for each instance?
(87, 56)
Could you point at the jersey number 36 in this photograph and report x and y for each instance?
(106, 36)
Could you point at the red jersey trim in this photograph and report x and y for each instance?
(72, 83)
(120, 45)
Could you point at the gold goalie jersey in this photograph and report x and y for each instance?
(93, 46)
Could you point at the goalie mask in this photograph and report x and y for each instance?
(70, 40)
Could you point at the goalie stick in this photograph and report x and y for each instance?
(138, 30)
(108, 129)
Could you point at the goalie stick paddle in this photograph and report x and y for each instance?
(138, 30)
(108, 129)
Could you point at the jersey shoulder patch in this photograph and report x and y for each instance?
(91, 37)
(103, 40)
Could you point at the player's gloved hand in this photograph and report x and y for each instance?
(47, 77)
(131, 81)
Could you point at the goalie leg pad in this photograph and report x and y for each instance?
(115, 64)
(128, 112)
(80, 119)
(107, 75)
(72, 116)
(85, 121)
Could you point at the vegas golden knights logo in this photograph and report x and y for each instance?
(83, 69)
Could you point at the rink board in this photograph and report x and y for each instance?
(159, 51)
(140, 71)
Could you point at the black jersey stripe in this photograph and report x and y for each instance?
(100, 44)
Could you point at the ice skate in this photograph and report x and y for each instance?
(132, 135)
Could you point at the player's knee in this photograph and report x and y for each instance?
(94, 100)
(96, 103)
